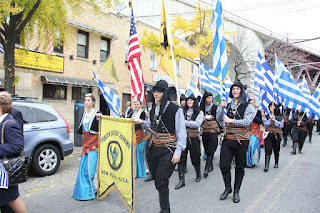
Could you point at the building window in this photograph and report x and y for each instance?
(178, 68)
(192, 71)
(79, 92)
(51, 91)
(58, 48)
(104, 49)
(83, 44)
(153, 61)
(127, 51)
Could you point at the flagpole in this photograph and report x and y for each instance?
(171, 49)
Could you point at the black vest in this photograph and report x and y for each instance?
(240, 111)
(193, 117)
(168, 119)
(213, 111)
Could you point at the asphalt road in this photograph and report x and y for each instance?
(293, 187)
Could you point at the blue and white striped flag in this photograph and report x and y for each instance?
(289, 90)
(3, 177)
(1, 48)
(208, 81)
(314, 103)
(220, 59)
(264, 78)
(226, 88)
(305, 89)
(254, 90)
(193, 89)
(111, 98)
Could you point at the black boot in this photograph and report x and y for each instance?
(267, 161)
(149, 178)
(227, 183)
(276, 160)
(295, 144)
(198, 173)
(164, 202)
(206, 168)
(181, 177)
(236, 197)
(284, 141)
(211, 165)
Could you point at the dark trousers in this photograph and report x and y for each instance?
(210, 142)
(193, 145)
(161, 170)
(310, 129)
(299, 136)
(230, 149)
(272, 142)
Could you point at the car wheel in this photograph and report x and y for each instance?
(46, 160)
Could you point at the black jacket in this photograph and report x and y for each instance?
(94, 126)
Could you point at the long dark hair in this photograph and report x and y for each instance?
(195, 106)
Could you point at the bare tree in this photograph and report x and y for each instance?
(243, 54)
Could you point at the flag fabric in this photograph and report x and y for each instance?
(1, 48)
(134, 64)
(3, 177)
(220, 59)
(193, 89)
(305, 89)
(289, 90)
(264, 78)
(314, 103)
(116, 160)
(166, 62)
(226, 88)
(111, 98)
(254, 90)
(50, 44)
(109, 66)
(208, 81)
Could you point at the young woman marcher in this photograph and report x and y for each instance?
(213, 116)
(13, 145)
(300, 122)
(140, 147)
(240, 115)
(168, 141)
(286, 125)
(311, 124)
(273, 124)
(84, 188)
(193, 119)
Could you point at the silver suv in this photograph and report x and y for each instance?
(46, 137)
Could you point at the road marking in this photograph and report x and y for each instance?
(272, 184)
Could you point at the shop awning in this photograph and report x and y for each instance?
(73, 81)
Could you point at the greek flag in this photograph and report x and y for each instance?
(220, 59)
(305, 89)
(111, 98)
(3, 177)
(314, 103)
(208, 81)
(264, 78)
(193, 89)
(254, 90)
(226, 88)
(289, 90)
(1, 48)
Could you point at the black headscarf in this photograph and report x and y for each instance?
(243, 96)
(162, 86)
(195, 107)
(203, 101)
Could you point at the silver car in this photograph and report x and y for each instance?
(46, 137)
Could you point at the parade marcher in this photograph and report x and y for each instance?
(141, 142)
(84, 188)
(255, 135)
(193, 119)
(273, 124)
(318, 126)
(213, 116)
(300, 123)
(240, 115)
(129, 110)
(311, 124)
(168, 139)
(286, 126)
(183, 101)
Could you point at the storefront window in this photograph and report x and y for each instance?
(51, 91)
(79, 92)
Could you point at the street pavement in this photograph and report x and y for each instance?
(293, 187)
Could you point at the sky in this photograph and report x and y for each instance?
(293, 19)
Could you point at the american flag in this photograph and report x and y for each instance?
(134, 65)
(1, 48)
(50, 45)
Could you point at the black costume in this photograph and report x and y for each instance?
(286, 126)
(299, 133)
(310, 127)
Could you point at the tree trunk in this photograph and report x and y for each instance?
(9, 66)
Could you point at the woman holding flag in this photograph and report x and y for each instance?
(240, 115)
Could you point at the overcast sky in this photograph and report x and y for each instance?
(297, 19)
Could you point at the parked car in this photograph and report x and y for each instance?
(46, 136)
